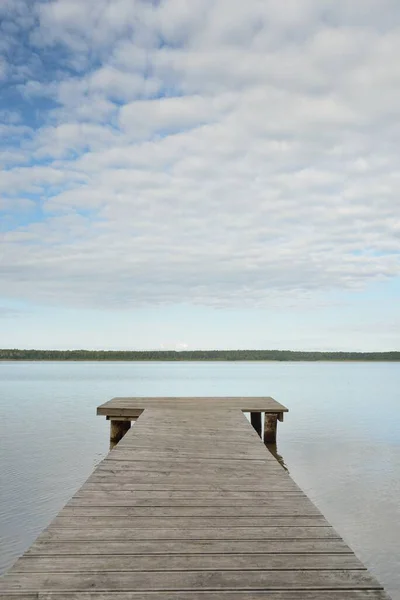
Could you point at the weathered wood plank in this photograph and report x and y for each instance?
(142, 463)
(209, 453)
(250, 494)
(214, 533)
(292, 509)
(263, 476)
(125, 461)
(186, 493)
(201, 595)
(135, 470)
(170, 483)
(75, 547)
(195, 442)
(247, 404)
(183, 562)
(19, 596)
(74, 522)
(208, 493)
(172, 452)
(195, 477)
(131, 418)
(191, 580)
(190, 435)
(212, 475)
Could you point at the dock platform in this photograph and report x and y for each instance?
(189, 505)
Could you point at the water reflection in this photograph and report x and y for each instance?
(273, 448)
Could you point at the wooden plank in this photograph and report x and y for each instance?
(131, 497)
(124, 461)
(100, 491)
(209, 453)
(247, 404)
(329, 546)
(198, 435)
(186, 427)
(201, 595)
(175, 479)
(191, 580)
(190, 440)
(129, 411)
(123, 452)
(266, 475)
(305, 509)
(210, 488)
(143, 463)
(184, 562)
(168, 438)
(207, 468)
(188, 489)
(131, 418)
(261, 473)
(186, 471)
(18, 595)
(207, 486)
(147, 523)
(247, 468)
(214, 533)
(163, 442)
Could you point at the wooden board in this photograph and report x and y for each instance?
(134, 406)
(186, 562)
(190, 505)
(104, 490)
(203, 595)
(97, 534)
(189, 580)
(272, 509)
(184, 547)
(187, 523)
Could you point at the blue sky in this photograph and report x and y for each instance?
(200, 174)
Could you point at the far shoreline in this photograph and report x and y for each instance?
(176, 356)
(93, 360)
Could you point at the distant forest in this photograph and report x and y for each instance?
(195, 355)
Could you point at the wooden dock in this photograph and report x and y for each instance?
(189, 505)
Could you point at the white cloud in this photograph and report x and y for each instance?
(219, 153)
(166, 116)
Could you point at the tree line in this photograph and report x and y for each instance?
(193, 355)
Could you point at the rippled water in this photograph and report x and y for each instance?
(340, 441)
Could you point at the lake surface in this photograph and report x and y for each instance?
(340, 441)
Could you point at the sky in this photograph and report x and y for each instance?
(182, 174)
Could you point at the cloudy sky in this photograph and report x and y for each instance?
(200, 173)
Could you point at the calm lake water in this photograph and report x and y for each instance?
(340, 441)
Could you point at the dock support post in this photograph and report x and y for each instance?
(270, 425)
(117, 431)
(255, 418)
